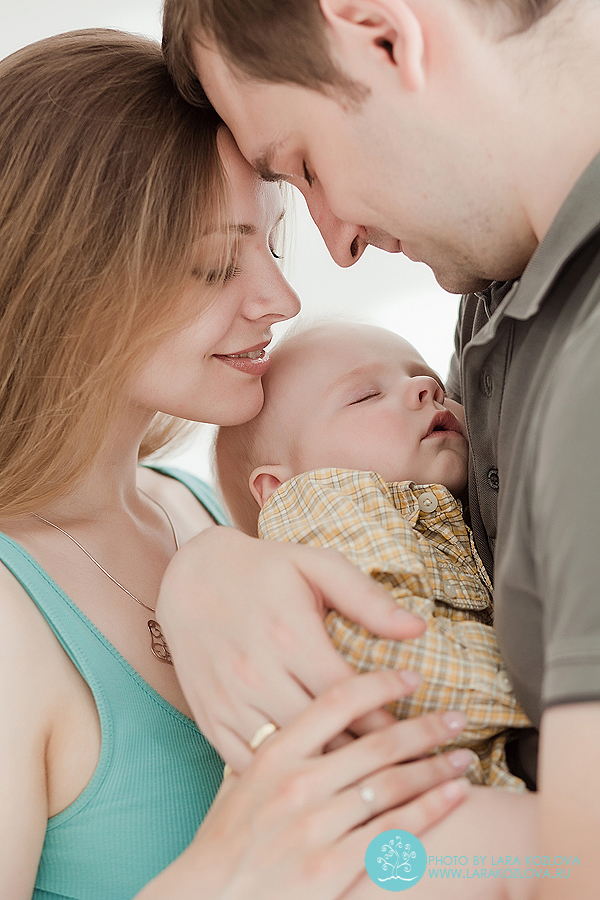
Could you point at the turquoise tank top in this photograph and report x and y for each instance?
(157, 774)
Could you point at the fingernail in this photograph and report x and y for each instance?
(411, 679)
(460, 759)
(400, 613)
(454, 789)
(454, 720)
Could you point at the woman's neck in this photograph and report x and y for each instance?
(110, 484)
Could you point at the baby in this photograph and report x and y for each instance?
(358, 448)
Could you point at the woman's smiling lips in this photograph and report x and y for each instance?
(253, 361)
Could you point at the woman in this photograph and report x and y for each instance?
(137, 277)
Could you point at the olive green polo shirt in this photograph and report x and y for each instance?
(530, 380)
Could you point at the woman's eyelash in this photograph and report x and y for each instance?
(222, 276)
(275, 255)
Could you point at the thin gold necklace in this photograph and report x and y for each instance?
(158, 643)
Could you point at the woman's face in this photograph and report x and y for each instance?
(204, 372)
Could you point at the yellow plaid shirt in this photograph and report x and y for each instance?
(413, 540)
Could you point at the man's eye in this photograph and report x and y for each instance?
(366, 397)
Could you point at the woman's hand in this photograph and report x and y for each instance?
(244, 621)
(296, 823)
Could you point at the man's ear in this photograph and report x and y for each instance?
(391, 28)
(265, 480)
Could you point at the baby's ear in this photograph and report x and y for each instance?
(265, 480)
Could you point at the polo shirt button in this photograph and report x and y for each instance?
(493, 479)
(486, 383)
(503, 682)
(450, 588)
(428, 502)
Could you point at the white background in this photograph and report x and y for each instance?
(386, 289)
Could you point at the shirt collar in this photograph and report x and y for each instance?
(575, 222)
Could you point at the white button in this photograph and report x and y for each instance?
(450, 588)
(428, 502)
(503, 682)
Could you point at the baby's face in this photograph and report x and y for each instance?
(361, 397)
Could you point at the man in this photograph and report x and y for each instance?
(465, 133)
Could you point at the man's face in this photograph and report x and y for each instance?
(396, 170)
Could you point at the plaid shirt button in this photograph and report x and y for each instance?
(428, 502)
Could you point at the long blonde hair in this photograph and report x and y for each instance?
(107, 177)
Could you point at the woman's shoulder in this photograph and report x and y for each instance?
(30, 668)
(191, 503)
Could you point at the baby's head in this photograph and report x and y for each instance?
(345, 396)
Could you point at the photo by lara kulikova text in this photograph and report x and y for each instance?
(490, 866)
(397, 860)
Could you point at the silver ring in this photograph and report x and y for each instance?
(367, 795)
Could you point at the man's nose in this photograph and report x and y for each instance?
(346, 243)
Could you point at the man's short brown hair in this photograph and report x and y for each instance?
(274, 41)
(279, 41)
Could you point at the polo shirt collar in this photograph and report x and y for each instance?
(577, 219)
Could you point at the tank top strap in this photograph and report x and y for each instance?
(70, 625)
(200, 489)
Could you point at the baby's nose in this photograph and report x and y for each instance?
(425, 389)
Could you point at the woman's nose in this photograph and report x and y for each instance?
(423, 390)
(272, 298)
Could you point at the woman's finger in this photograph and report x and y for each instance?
(403, 741)
(341, 586)
(393, 787)
(235, 732)
(332, 712)
(347, 854)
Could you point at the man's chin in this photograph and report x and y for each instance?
(459, 283)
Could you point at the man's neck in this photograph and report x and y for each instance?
(552, 126)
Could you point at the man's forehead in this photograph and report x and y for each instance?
(244, 106)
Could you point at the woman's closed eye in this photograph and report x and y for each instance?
(220, 276)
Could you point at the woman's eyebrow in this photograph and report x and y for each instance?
(245, 230)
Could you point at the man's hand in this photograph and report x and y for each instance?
(244, 621)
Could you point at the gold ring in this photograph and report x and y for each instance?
(262, 733)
